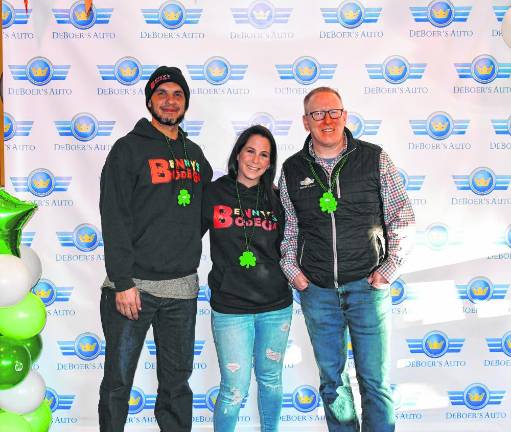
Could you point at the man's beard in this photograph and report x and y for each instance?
(166, 121)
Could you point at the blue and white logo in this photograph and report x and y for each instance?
(411, 183)
(86, 346)
(500, 345)
(435, 344)
(349, 347)
(197, 349)
(306, 70)
(41, 182)
(211, 397)
(438, 236)
(85, 237)
(78, 17)
(359, 126)
(172, 15)
(49, 293)
(127, 71)
(261, 14)
(482, 181)
(500, 11)
(217, 71)
(481, 289)
(399, 292)
(84, 127)
(208, 400)
(507, 236)
(502, 126)
(192, 127)
(296, 296)
(395, 70)
(440, 13)
(11, 16)
(204, 293)
(439, 126)
(476, 396)
(27, 237)
(58, 401)
(140, 401)
(304, 399)
(276, 127)
(39, 71)
(403, 400)
(14, 127)
(351, 14)
(484, 69)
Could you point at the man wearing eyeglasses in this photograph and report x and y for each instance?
(349, 225)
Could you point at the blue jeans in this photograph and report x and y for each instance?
(366, 312)
(173, 322)
(239, 340)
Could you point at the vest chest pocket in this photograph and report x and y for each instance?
(305, 200)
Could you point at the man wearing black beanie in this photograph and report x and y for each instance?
(150, 204)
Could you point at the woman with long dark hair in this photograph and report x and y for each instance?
(250, 297)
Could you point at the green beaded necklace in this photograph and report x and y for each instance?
(184, 198)
(247, 258)
(328, 202)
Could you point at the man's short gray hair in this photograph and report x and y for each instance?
(319, 90)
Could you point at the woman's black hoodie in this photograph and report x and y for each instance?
(236, 289)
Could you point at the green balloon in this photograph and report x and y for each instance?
(14, 214)
(40, 419)
(34, 346)
(14, 362)
(23, 320)
(10, 422)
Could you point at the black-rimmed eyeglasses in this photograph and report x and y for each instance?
(320, 115)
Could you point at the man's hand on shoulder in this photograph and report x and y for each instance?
(128, 303)
(376, 280)
(300, 282)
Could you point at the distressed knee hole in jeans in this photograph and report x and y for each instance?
(233, 367)
(285, 327)
(272, 355)
(235, 396)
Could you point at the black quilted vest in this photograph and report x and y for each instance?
(350, 243)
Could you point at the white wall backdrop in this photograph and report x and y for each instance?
(428, 81)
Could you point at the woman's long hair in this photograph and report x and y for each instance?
(268, 177)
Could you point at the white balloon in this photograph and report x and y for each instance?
(33, 263)
(506, 27)
(15, 280)
(26, 396)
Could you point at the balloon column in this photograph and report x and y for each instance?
(23, 407)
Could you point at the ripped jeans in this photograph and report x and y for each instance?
(366, 312)
(243, 339)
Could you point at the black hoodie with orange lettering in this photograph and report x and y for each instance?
(236, 289)
(146, 232)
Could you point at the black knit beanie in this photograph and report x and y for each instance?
(166, 74)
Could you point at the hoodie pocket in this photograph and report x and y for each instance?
(260, 285)
(165, 249)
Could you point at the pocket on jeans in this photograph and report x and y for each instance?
(381, 288)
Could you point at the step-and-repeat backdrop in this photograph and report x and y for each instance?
(428, 81)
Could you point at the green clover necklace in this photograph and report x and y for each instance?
(247, 258)
(184, 198)
(328, 202)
